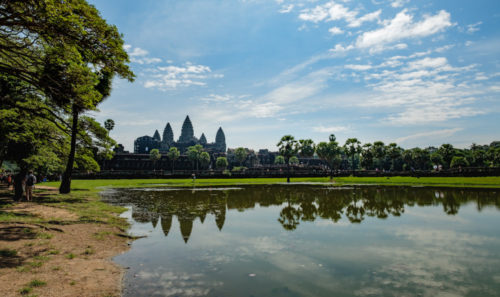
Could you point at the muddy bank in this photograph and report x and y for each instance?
(48, 251)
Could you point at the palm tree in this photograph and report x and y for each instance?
(287, 148)
(173, 154)
(352, 147)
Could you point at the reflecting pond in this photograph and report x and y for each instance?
(312, 241)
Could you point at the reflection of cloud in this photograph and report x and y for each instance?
(168, 283)
(439, 261)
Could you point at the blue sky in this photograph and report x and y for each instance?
(418, 73)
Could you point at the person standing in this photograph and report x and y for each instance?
(30, 182)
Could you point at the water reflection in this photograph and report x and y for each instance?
(298, 203)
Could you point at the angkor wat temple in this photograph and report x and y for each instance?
(144, 144)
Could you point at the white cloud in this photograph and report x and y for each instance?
(423, 90)
(332, 11)
(473, 27)
(139, 55)
(335, 30)
(171, 77)
(264, 110)
(358, 67)
(428, 63)
(341, 49)
(444, 48)
(138, 52)
(217, 98)
(402, 27)
(369, 17)
(399, 3)
(437, 133)
(146, 61)
(286, 8)
(331, 129)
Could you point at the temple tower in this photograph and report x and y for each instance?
(168, 135)
(187, 133)
(203, 139)
(156, 136)
(220, 140)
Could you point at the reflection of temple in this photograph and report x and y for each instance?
(298, 204)
(144, 144)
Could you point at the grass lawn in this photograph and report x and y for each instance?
(96, 185)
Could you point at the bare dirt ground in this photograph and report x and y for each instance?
(58, 260)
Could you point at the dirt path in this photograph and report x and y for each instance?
(55, 260)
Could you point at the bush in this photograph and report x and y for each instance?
(458, 161)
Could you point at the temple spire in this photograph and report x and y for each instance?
(156, 136)
(220, 140)
(203, 139)
(187, 133)
(168, 134)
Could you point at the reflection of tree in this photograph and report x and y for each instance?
(299, 203)
(289, 217)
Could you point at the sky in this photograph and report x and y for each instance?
(418, 73)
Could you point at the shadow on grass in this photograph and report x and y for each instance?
(9, 259)
(50, 198)
(13, 233)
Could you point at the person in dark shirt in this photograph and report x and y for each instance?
(29, 183)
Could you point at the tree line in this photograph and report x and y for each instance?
(57, 63)
(199, 158)
(354, 155)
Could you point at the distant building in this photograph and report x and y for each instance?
(144, 144)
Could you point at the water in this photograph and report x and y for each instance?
(312, 241)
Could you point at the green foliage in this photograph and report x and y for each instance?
(204, 159)
(109, 124)
(173, 154)
(238, 168)
(193, 154)
(458, 161)
(352, 148)
(294, 160)
(221, 163)
(306, 148)
(330, 152)
(447, 152)
(287, 147)
(241, 155)
(62, 56)
(279, 160)
(436, 159)
(154, 155)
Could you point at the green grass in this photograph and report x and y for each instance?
(461, 182)
(70, 256)
(96, 185)
(32, 284)
(43, 235)
(36, 283)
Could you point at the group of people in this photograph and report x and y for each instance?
(27, 182)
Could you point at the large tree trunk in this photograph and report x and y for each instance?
(65, 187)
(18, 184)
